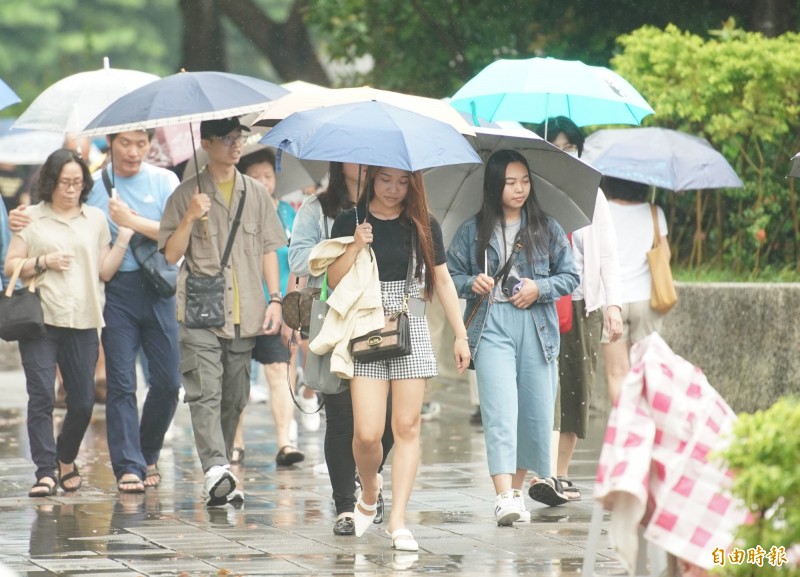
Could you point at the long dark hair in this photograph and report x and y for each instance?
(555, 125)
(51, 172)
(415, 213)
(336, 197)
(537, 233)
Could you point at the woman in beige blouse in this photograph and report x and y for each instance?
(67, 247)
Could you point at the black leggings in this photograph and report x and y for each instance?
(339, 447)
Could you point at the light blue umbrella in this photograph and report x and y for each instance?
(184, 98)
(7, 96)
(371, 133)
(28, 147)
(661, 157)
(535, 89)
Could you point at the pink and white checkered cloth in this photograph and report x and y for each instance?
(655, 459)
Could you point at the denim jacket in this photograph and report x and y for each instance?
(554, 273)
(311, 226)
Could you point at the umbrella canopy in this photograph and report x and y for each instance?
(185, 97)
(372, 133)
(538, 88)
(661, 157)
(295, 174)
(72, 102)
(565, 186)
(173, 144)
(7, 96)
(795, 172)
(27, 146)
(308, 100)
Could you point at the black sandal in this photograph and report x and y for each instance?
(152, 474)
(71, 475)
(52, 490)
(288, 455)
(547, 490)
(130, 486)
(237, 456)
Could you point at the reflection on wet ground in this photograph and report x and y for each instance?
(285, 526)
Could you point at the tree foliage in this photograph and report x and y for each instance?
(737, 90)
(432, 47)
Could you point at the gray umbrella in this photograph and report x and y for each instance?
(565, 187)
(795, 172)
(661, 157)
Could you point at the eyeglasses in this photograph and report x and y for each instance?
(569, 147)
(66, 184)
(230, 140)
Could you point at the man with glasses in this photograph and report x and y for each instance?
(215, 362)
(136, 317)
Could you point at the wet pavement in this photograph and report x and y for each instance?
(285, 525)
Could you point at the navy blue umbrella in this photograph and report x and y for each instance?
(183, 98)
(371, 133)
(7, 96)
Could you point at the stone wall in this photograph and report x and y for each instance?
(744, 336)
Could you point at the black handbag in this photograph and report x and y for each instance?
(205, 295)
(21, 314)
(161, 275)
(394, 339)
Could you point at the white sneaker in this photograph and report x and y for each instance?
(506, 508)
(524, 514)
(259, 394)
(309, 416)
(219, 483)
(293, 432)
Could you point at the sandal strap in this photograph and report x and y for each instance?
(363, 505)
(401, 533)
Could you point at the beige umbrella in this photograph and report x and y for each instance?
(307, 100)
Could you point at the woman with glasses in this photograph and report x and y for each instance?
(67, 247)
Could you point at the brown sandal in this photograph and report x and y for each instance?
(152, 474)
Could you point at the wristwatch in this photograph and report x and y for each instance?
(38, 269)
(276, 297)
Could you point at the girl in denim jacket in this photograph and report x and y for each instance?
(513, 327)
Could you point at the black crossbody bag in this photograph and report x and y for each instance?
(205, 295)
(161, 275)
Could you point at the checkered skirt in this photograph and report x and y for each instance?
(421, 363)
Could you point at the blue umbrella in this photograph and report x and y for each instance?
(665, 158)
(539, 88)
(183, 98)
(372, 133)
(7, 96)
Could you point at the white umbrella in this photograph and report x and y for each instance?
(565, 187)
(27, 146)
(72, 102)
(307, 100)
(795, 171)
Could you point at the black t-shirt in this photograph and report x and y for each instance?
(391, 242)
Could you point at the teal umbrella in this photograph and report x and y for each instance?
(535, 89)
(7, 96)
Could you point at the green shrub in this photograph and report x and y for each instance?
(765, 456)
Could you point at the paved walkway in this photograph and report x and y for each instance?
(284, 528)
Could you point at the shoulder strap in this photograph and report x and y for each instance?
(502, 274)
(409, 270)
(107, 181)
(234, 226)
(656, 229)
